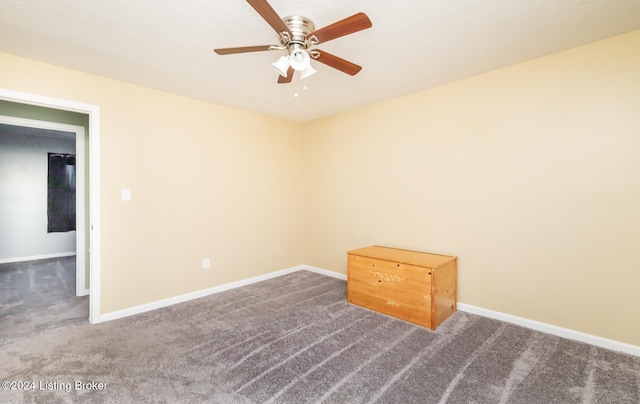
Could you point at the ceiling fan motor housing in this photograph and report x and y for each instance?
(300, 27)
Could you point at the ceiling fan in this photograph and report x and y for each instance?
(297, 36)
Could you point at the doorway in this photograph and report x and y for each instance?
(54, 135)
(91, 241)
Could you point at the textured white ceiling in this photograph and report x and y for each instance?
(413, 44)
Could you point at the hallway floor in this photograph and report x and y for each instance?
(39, 295)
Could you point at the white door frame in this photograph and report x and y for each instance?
(81, 290)
(94, 182)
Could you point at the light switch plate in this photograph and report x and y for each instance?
(125, 194)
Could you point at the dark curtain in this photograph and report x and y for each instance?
(61, 198)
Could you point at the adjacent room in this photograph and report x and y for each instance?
(236, 151)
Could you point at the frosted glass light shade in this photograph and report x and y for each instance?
(281, 66)
(308, 72)
(299, 59)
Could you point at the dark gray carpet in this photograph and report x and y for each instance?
(293, 339)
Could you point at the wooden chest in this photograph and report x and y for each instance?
(413, 286)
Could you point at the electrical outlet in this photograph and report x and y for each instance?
(206, 263)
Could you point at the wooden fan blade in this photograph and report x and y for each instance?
(244, 49)
(349, 25)
(337, 63)
(284, 80)
(270, 16)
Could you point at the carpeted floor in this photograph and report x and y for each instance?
(292, 339)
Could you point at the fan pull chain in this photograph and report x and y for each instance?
(299, 86)
(296, 85)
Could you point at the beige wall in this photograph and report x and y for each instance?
(207, 181)
(530, 174)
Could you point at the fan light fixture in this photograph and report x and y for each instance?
(299, 60)
(308, 72)
(281, 65)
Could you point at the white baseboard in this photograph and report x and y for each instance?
(324, 272)
(193, 295)
(552, 329)
(535, 325)
(37, 257)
